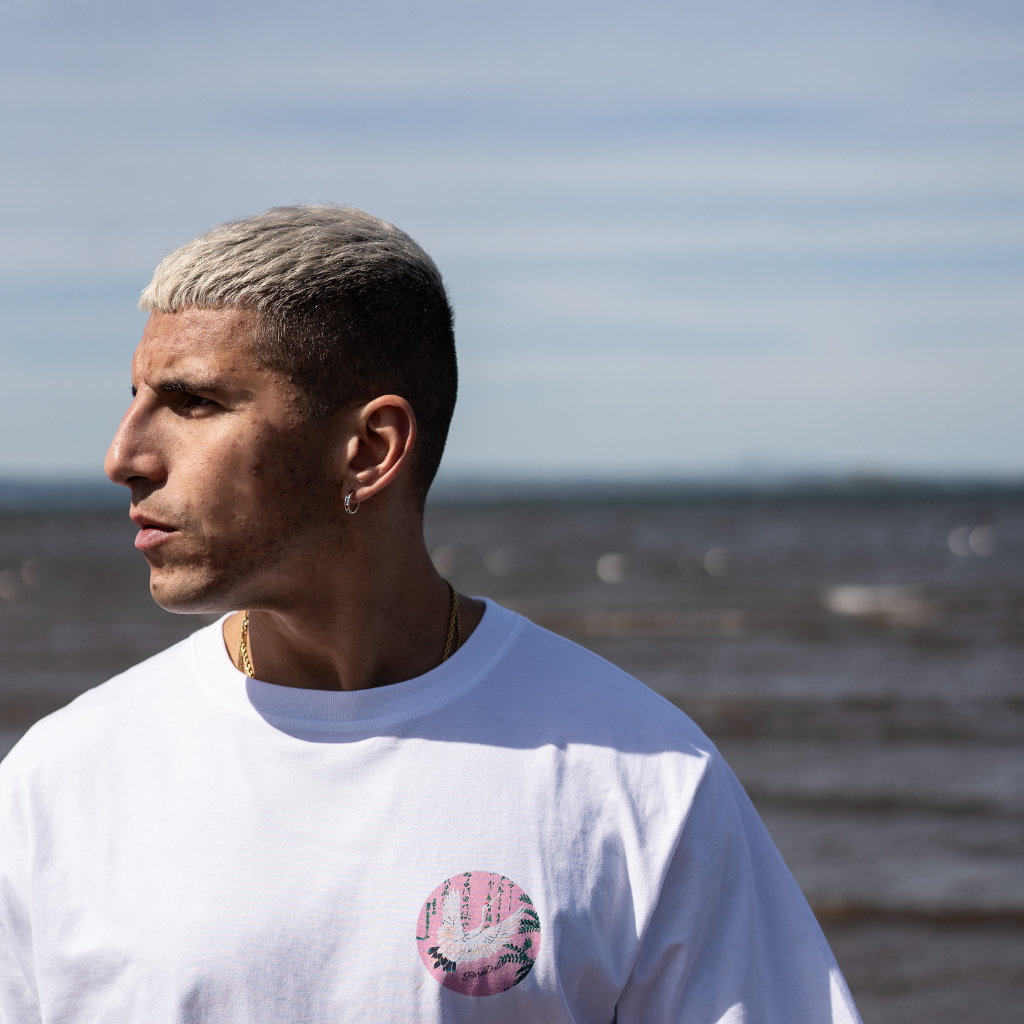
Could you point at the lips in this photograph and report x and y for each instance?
(151, 533)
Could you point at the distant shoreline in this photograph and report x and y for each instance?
(39, 496)
(729, 489)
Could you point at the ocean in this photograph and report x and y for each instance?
(855, 651)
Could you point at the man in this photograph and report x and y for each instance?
(359, 795)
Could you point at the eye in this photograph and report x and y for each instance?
(189, 402)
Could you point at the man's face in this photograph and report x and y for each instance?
(227, 476)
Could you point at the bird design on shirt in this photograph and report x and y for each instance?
(457, 946)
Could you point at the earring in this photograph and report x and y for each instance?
(351, 507)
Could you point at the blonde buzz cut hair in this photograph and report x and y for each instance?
(347, 306)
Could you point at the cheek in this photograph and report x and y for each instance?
(288, 480)
(250, 490)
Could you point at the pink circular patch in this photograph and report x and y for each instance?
(478, 933)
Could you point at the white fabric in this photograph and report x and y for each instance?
(183, 844)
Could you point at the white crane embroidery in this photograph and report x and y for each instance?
(457, 946)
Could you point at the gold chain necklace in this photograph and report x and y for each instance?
(454, 626)
(454, 636)
(244, 661)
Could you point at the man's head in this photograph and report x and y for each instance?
(289, 357)
(347, 308)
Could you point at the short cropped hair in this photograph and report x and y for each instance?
(347, 308)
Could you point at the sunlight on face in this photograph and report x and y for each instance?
(228, 478)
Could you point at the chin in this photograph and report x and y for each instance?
(191, 594)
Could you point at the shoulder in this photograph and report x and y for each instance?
(574, 690)
(103, 716)
(598, 741)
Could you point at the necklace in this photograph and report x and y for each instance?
(454, 637)
(244, 661)
(454, 626)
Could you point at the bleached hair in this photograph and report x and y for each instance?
(283, 256)
(347, 306)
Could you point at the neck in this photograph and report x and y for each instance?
(369, 612)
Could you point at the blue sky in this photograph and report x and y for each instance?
(681, 238)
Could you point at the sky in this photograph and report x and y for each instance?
(681, 238)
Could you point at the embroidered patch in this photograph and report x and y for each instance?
(478, 933)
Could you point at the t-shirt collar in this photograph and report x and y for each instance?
(354, 710)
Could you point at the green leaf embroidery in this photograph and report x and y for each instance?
(518, 955)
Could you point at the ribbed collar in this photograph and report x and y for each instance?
(325, 711)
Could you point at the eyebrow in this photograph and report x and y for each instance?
(192, 385)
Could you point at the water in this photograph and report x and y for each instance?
(864, 681)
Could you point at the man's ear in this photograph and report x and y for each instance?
(381, 435)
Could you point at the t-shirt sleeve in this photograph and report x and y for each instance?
(18, 1003)
(732, 938)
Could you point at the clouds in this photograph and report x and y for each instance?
(624, 198)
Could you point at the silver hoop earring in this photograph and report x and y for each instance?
(351, 508)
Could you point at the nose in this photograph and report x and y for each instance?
(132, 458)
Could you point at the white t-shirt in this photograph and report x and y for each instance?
(523, 834)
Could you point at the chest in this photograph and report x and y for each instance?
(344, 886)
